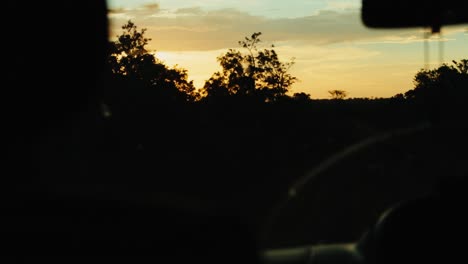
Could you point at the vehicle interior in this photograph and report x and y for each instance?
(71, 194)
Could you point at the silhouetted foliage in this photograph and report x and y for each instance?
(131, 61)
(338, 94)
(303, 97)
(442, 92)
(447, 82)
(399, 96)
(258, 73)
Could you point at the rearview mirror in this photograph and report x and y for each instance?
(414, 13)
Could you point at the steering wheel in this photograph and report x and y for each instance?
(409, 227)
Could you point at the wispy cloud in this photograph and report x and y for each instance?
(196, 29)
(143, 11)
(152, 7)
(118, 10)
(189, 11)
(343, 4)
(405, 40)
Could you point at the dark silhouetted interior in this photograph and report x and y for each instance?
(114, 157)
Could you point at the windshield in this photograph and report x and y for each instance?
(234, 102)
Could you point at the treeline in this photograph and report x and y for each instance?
(243, 133)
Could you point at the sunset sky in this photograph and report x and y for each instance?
(333, 49)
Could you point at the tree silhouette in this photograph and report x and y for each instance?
(338, 94)
(254, 73)
(131, 61)
(442, 92)
(303, 97)
(446, 82)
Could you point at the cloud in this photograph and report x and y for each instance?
(343, 4)
(119, 10)
(152, 7)
(406, 40)
(123, 14)
(319, 54)
(196, 10)
(195, 29)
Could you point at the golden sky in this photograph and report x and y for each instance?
(331, 46)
